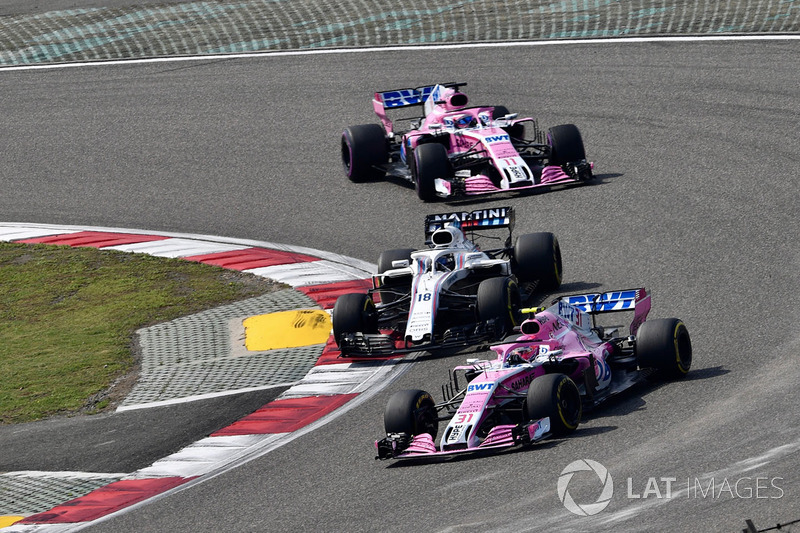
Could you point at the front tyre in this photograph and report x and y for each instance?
(353, 313)
(537, 256)
(430, 163)
(517, 131)
(499, 299)
(555, 396)
(664, 344)
(412, 412)
(566, 144)
(364, 149)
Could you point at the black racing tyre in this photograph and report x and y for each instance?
(556, 396)
(385, 261)
(566, 144)
(364, 147)
(442, 138)
(412, 412)
(499, 298)
(537, 256)
(353, 313)
(664, 344)
(387, 257)
(430, 162)
(517, 131)
(499, 111)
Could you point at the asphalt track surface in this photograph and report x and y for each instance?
(696, 153)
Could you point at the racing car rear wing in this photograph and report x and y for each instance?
(409, 97)
(498, 217)
(636, 300)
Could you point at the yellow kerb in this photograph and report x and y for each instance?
(287, 329)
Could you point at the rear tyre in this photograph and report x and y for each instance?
(385, 261)
(537, 256)
(499, 298)
(353, 313)
(664, 344)
(412, 412)
(430, 162)
(566, 144)
(556, 396)
(364, 147)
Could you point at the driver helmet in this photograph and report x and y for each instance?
(446, 263)
(520, 355)
(465, 121)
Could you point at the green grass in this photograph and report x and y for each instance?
(68, 317)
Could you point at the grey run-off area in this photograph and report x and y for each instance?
(33, 33)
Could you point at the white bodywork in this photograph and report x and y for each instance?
(435, 270)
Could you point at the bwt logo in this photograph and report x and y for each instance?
(497, 138)
(586, 509)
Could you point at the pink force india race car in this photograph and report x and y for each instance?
(540, 381)
(453, 150)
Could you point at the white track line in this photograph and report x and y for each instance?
(412, 48)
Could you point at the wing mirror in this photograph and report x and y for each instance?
(400, 263)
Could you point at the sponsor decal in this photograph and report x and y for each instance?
(544, 350)
(455, 433)
(435, 92)
(602, 371)
(522, 382)
(478, 214)
(473, 405)
(400, 98)
(461, 141)
(480, 387)
(405, 97)
(517, 174)
(497, 138)
(607, 301)
(570, 313)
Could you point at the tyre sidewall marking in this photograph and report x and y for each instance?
(675, 338)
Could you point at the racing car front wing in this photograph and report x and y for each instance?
(401, 446)
(382, 344)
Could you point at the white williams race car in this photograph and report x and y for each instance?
(452, 293)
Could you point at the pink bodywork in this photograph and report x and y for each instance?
(551, 337)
